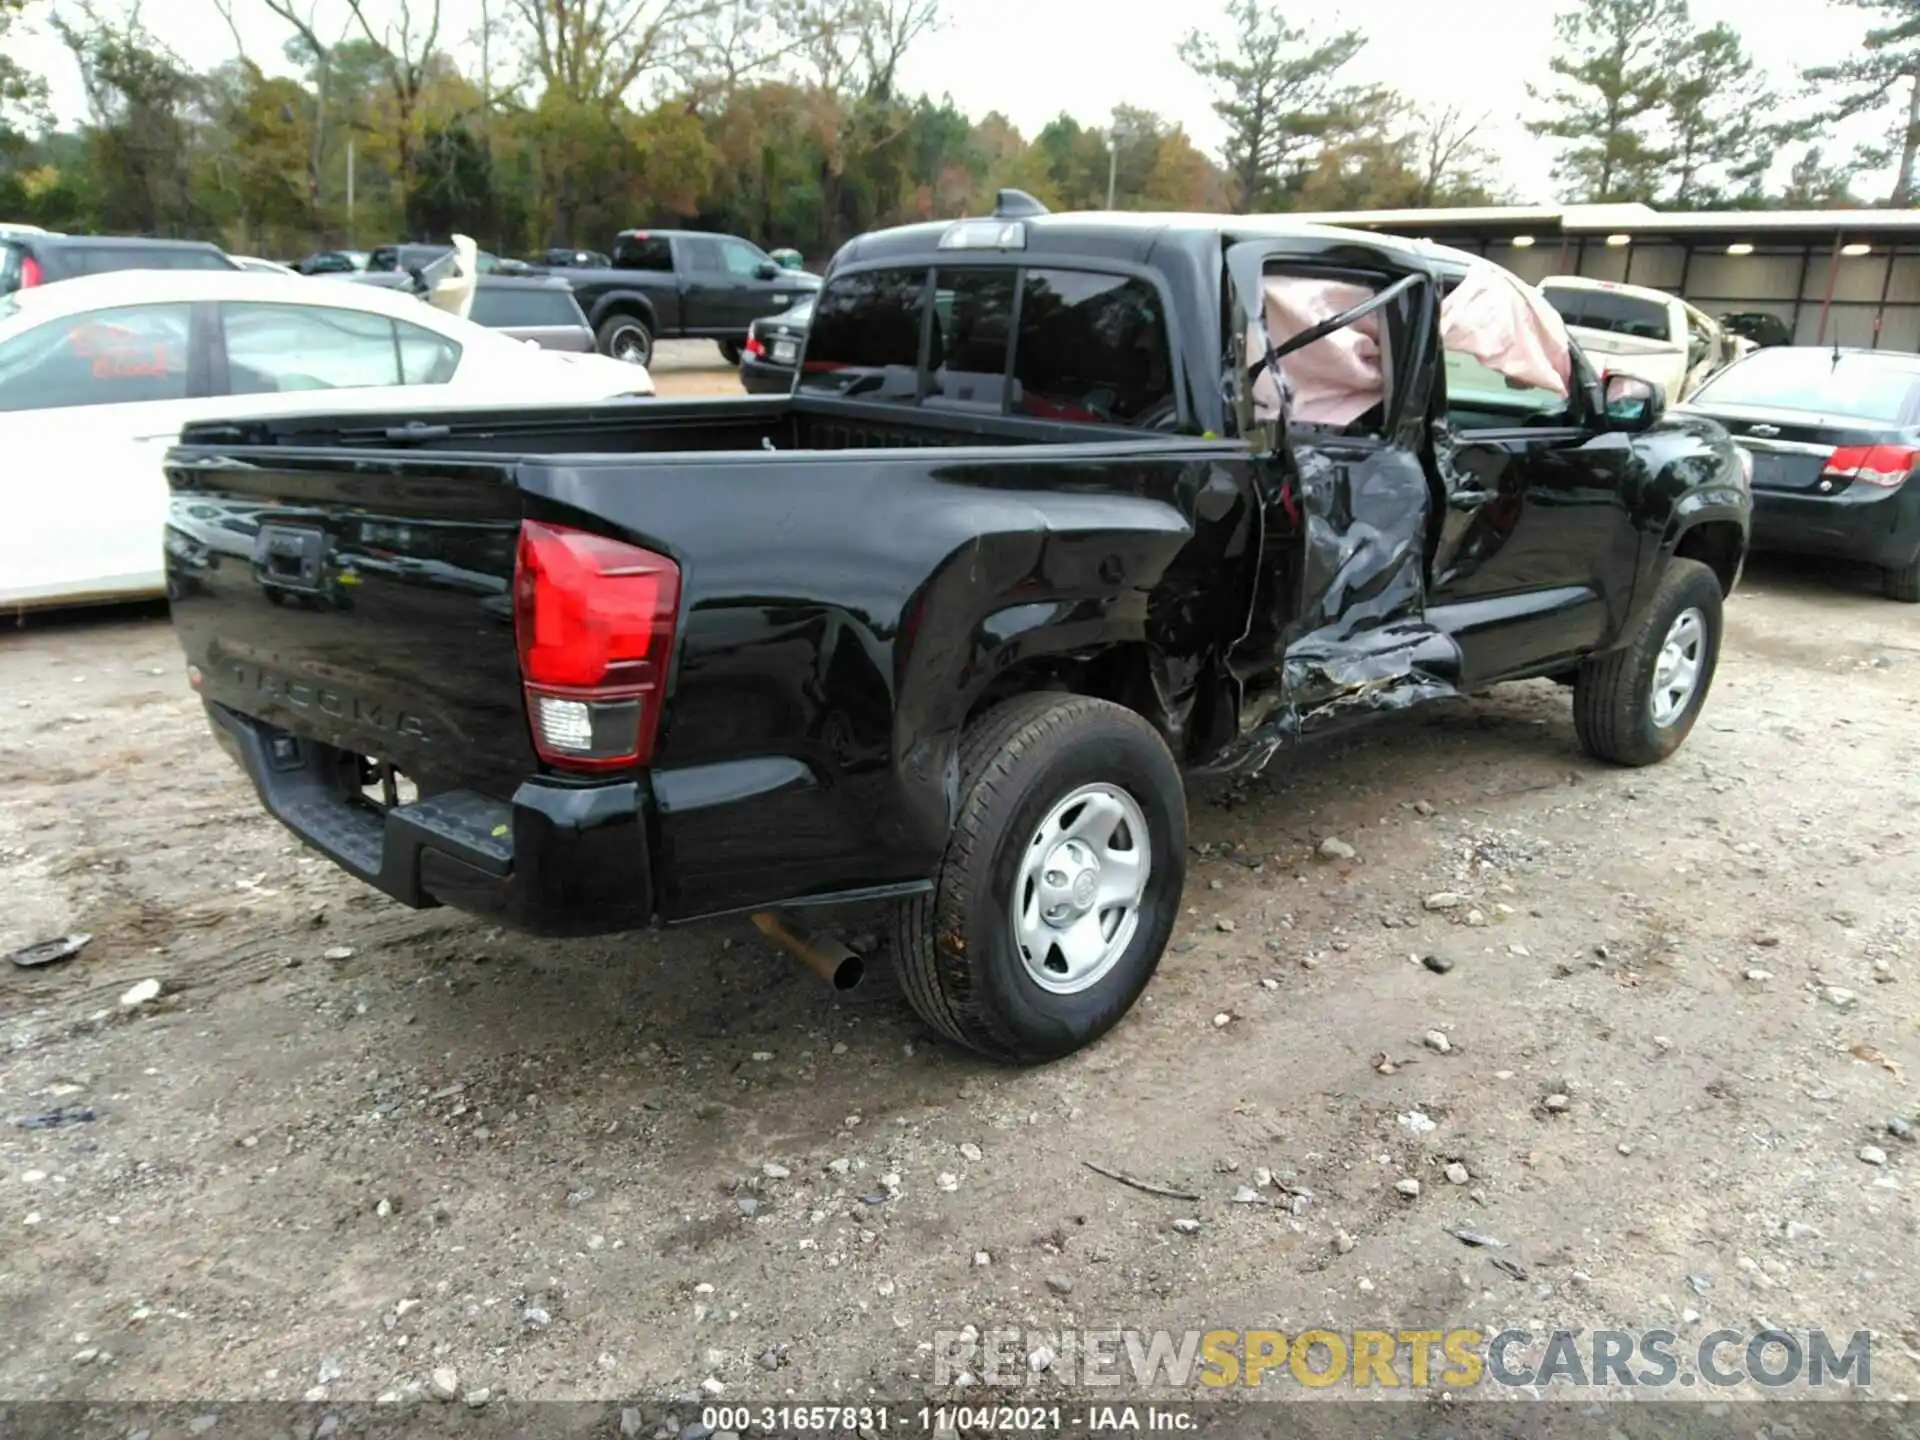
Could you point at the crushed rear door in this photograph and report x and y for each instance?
(1338, 628)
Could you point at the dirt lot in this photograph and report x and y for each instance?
(349, 1144)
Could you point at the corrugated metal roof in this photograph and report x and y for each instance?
(1631, 219)
(1469, 215)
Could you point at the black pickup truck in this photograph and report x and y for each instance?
(681, 284)
(943, 627)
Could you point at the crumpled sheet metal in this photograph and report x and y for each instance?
(1362, 644)
(1356, 641)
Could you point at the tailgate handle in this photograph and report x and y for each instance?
(290, 558)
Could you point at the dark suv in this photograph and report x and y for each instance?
(29, 260)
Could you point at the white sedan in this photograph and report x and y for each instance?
(99, 374)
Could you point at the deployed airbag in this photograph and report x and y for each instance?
(1509, 327)
(1333, 381)
(1493, 316)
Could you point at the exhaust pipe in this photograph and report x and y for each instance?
(824, 956)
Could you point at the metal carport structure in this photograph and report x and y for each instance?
(1847, 277)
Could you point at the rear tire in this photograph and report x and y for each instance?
(729, 352)
(1636, 705)
(626, 337)
(1903, 583)
(1024, 768)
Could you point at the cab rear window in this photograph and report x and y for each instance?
(1092, 347)
(1082, 346)
(865, 338)
(643, 252)
(1610, 311)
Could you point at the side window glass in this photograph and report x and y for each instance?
(741, 259)
(425, 358)
(1506, 364)
(703, 256)
(104, 357)
(1093, 348)
(1481, 398)
(278, 348)
(865, 336)
(972, 323)
(1567, 302)
(1625, 315)
(643, 252)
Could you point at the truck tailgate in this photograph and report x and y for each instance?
(349, 621)
(369, 609)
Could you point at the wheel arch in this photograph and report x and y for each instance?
(1710, 525)
(1119, 669)
(625, 302)
(1719, 544)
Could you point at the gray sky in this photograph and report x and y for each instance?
(1031, 59)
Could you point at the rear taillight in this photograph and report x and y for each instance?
(1883, 465)
(755, 348)
(594, 619)
(30, 272)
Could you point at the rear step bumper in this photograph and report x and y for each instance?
(556, 860)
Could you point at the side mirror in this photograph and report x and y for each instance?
(419, 277)
(1633, 404)
(766, 270)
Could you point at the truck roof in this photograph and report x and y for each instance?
(652, 232)
(1132, 238)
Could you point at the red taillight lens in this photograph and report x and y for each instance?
(30, 272)
(755, 348)
(595, 620)
(1883, 465)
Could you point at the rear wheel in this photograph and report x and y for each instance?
(1060, 885)
(1637, 704)
(626, 338)
(729, 352)
(1903, 583)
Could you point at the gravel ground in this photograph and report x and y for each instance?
(350, 1150)
(692, 367)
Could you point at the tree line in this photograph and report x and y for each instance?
(564, 121)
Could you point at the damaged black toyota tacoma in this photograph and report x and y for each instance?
(1060, 507)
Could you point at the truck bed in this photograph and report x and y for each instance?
(652, 426)
(844, 598)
